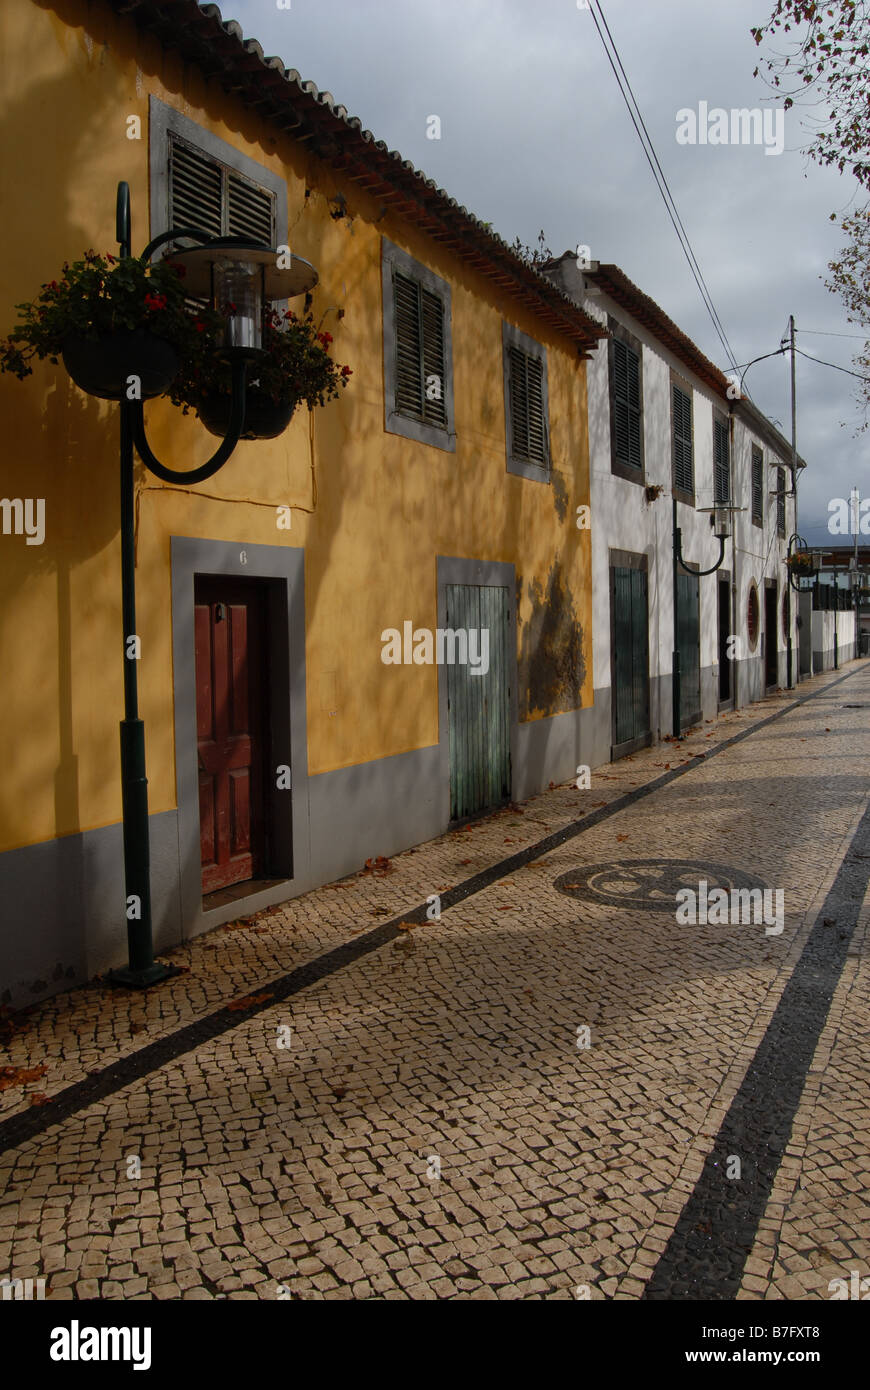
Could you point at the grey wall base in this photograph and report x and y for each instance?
(63, 917)
(551, 749)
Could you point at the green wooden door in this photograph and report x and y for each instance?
(629, 658)
(478, 706)
(689, 648)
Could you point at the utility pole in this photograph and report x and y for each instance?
(788, 642)
(793, 420)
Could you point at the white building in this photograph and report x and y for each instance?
(666, 442)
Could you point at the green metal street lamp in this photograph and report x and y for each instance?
(239, 276)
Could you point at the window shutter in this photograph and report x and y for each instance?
(250, 210)
(409, 393)
(721, 464)
(419, 318)
(757, 485)
(433, 356)
(207, 194)
(195, 190)
(683, 461)
(528, 426)
(780, 501)
(626, 404)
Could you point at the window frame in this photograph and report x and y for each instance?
(521, 467)
(396, 421)
(678, 383)
(620, 334)
(164, 121)
(756, 455)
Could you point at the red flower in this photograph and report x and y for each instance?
(346, 372)
(155, 301)
(199, 325)
(324, 338)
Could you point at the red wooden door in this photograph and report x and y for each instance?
(230, 719)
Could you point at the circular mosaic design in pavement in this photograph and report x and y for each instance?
(649, 884)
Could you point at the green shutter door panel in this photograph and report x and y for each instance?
(478, 706)
(688, 646)
(629, 659)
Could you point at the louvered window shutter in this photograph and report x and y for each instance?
(721, 463)
(250, 210)
(206, 194)
(757, 486)
(683, 462)
(433, 358)
(528, 426)
(419, 317)
(780, 501)
(626, 405)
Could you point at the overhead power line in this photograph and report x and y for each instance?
(820, 333)
(658, 173)
(822, 363)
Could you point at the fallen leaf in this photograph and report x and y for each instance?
(407, 926)
(379, 867)
(249, 1000)
(622, 837)
(39, 1098)
(19, 1076)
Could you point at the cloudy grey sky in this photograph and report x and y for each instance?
(535, 134)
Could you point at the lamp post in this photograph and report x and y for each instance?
(239, 276)
(720, 520)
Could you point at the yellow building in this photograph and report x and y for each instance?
(411, 509)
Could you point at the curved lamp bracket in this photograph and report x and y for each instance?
(219, 458)
(689, 569)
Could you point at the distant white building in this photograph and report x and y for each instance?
(666, 441)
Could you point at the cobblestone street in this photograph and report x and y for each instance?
(341, 1099)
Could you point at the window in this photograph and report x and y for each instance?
(199, 180)
(681, 422)
(525, 403)
(757, 487)
(205, 193)
(626, 406)
(721, 460)
(780, 501)
(418, 370)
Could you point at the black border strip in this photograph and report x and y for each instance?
(17, 1128)
(716, 1230)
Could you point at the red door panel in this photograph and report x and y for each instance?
(229, 635)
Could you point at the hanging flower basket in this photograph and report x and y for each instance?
(801, 565)
(103, 365)
(294, 366)
(110, 319)
(263, 418)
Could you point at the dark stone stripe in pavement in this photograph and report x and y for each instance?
(18, 1128)
(716, 1230)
